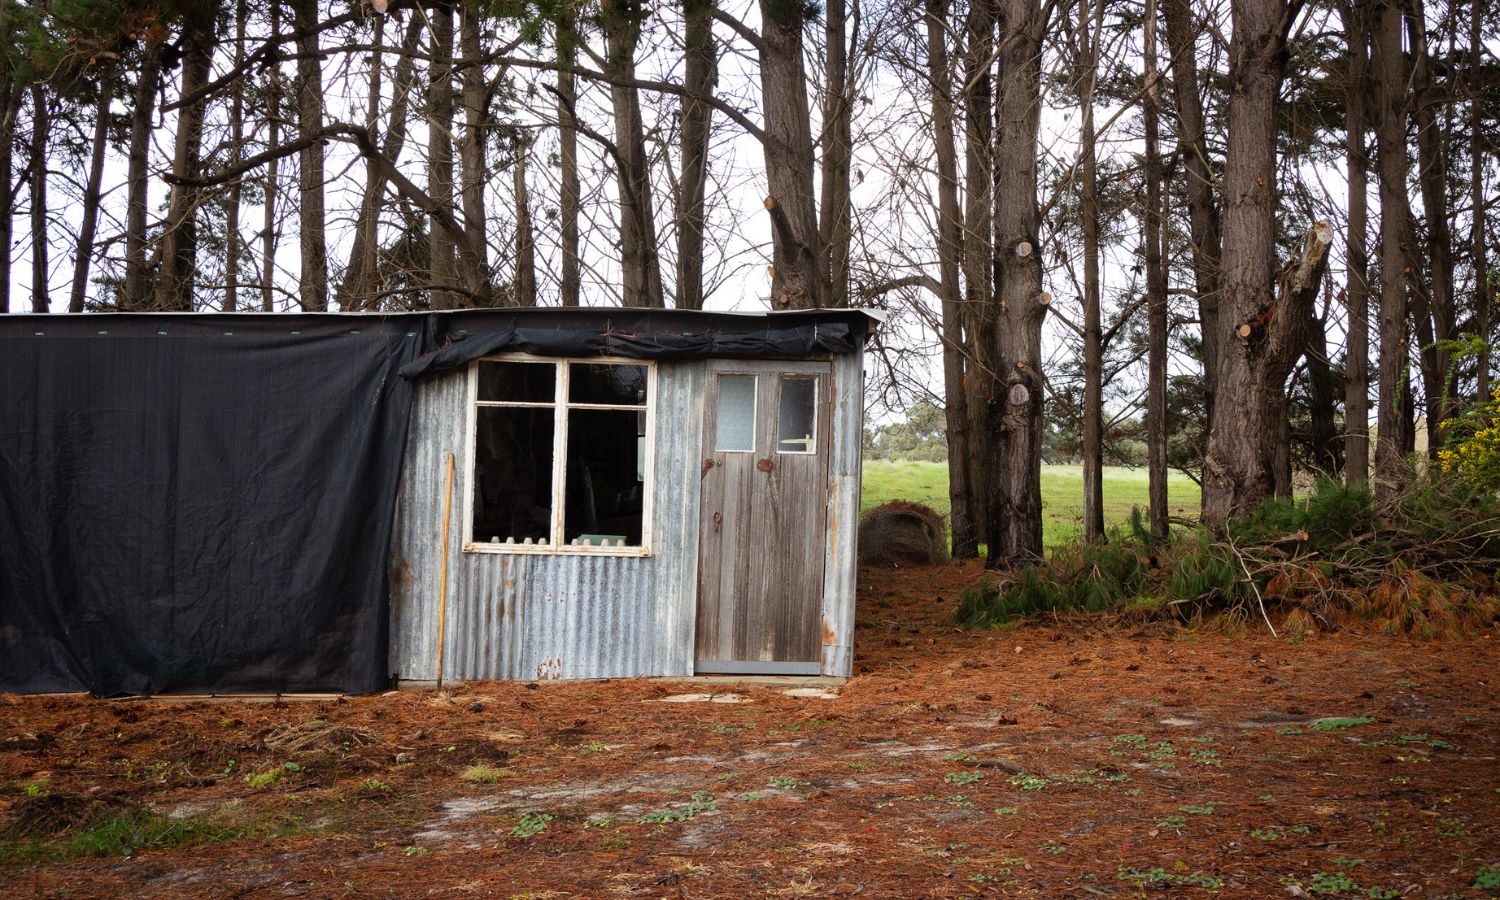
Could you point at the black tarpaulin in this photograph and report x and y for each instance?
(198, 503)
(462, 337)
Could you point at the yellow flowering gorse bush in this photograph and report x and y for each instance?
(1473, 451)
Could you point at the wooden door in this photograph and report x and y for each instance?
(762, 528)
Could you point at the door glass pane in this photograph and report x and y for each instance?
(512, 475)
(797, 423)
(517, 382)
(736, 415)
(606, 383)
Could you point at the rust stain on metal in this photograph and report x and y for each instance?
(765, 465)
(829, 638)
(708, 465)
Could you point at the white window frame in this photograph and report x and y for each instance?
(817, 435)
(560, 406)
(754, 407)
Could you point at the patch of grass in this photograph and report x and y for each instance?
(1197, 809)
(1159, 877)
(122, 833)
(1487, 879)
(260, 780)
(1434, 743)
(1265, 834)
(39, 787)
(1339, 884)
(962, 777)
(786, 782)
(1176, 823)
(374, 786)
(1007, 810)
(482, 774)
(1339, 723)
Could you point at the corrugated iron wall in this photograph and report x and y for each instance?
(529, 617)
(535, 616)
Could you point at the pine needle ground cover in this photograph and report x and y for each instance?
(1032, 761)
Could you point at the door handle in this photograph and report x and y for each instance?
(765, 465)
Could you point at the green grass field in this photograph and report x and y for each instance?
(1062, 493)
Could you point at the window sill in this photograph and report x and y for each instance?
(534, 550)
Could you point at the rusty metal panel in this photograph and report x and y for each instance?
(513, 616)
(840, 563)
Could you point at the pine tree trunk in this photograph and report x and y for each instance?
(525, 288)
(10, 99)
(701, 71)
(137, 294)
(1390, 135)
(273, 141)
(1156, 300)
(979, 290)
(84, 254)
(41, 300)
(179, 249)
(1015, 509)
(837, 146)
(640, 264)
(950, 255)
(440, 245)
(1203, 214)
(1357, 291)
(1324, 439)
(311, 219)
(797, 253)
(570, 190)
(471, 144)
(1483, 291)
(1259, 337)
(1437, 288)
(236, 153)
(1089, 15)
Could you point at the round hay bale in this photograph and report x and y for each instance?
(902, 533)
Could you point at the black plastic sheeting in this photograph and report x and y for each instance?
(192, 505)
(462, 337)
(204, 503)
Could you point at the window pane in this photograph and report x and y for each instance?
(603, 383)
(736, 414)
(797, 424)
(512, 474)
(517, 382)
(605, 481)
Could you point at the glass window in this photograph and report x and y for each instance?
(553, 476)
(797, 420)
(517, 382)
(614, 385)
(735, 416)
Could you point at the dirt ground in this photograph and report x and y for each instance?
(1036, 760)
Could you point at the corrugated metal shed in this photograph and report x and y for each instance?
(513, 616)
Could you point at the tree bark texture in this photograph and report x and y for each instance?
(1260, 336)
(40, 125)
(1089, 18)
(640, 264)
(273, 142)
(979, 312)
(1156, 299)
(179, 247)
(471, 144)
(1390, 137)
(313, 288)
(700, 58)
(1014, 523)
(838, 148)
(236, 152)
(89, 224)
(796, 282)
(569, 186)
(10, 100)
(1357, 287)
(524, 293)
(950, 256)
(1203, 213)
(441, 246)
(1483, 291)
